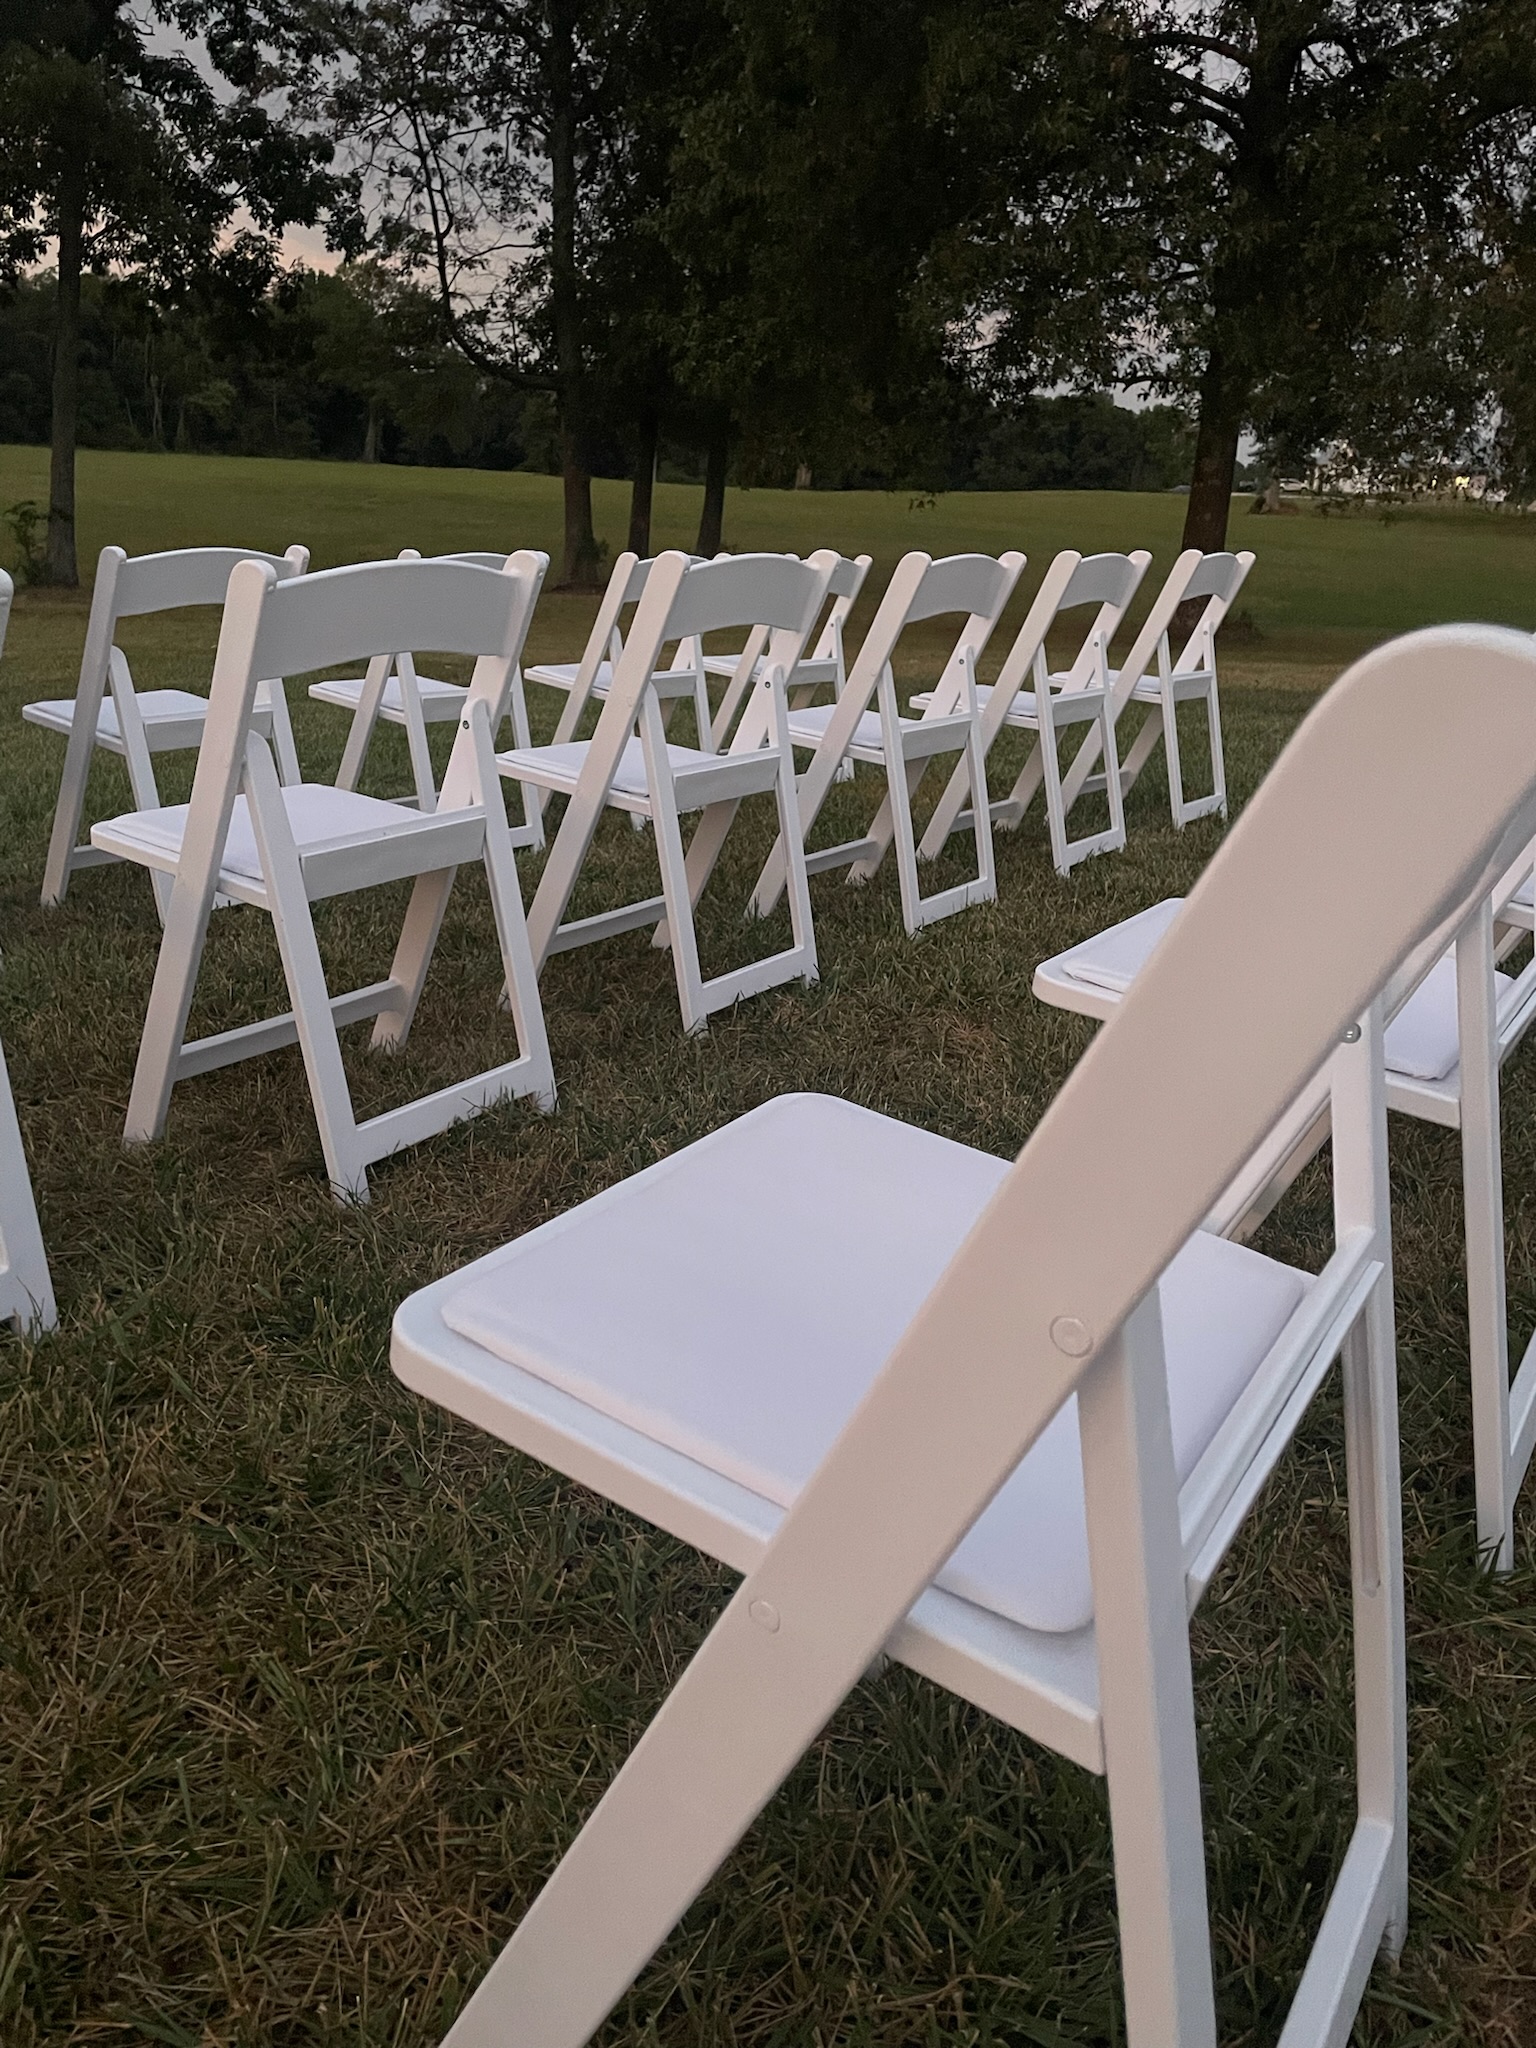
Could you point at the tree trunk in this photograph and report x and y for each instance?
(580, 567)
(62, 567)
(712, 516)
(371, 435)
(644, 487)
(1222, 400)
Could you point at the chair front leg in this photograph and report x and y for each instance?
(1146, 1689)
(520, 981)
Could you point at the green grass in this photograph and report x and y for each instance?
(304, 1686)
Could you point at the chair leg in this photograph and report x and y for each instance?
(283, 747)
(1482, 1183)
(170, 998)
(522, 739)
(294, 927)
(1147, 1690)
(26, 1290)
(413, 955)
(899, 774)
(1218, 757)
(1174, 759)
(70, 807)
(521, 983)
(981, 814)
(1055, 819)
(364, 718)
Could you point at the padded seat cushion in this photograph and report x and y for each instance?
(318, 813)
(155, 706)
(735, 1301)
(347, 691)
(565, 763)
(1422, 1041)
(808, 726)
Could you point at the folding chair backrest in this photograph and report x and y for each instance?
(183, 576)
(922, 588)
(1216, 578)
(370, 608)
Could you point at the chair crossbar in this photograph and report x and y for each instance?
(270, 1034)
(607, 924)
(1250, 1438)
(393, 1130)
(823, 858)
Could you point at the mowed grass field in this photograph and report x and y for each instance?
(304, 1686)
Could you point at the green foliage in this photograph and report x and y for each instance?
(27, 523)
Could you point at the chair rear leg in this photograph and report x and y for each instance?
(1174, 759)
(413, 956)
(1482, 1184)
(1218, 757)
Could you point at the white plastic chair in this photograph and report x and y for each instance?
(1002, 1423)
(1191, 678)
(591, 678)
(282, 849)
(392, 689)
(1058, 700)
(1452, 1021)
(138, 724)
(649, 778)
(826, 666)
(901, 747)
(26, 1291)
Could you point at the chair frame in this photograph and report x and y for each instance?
(1218, 578)
(683, 599)
(26, 1288)
(365, 610)
(1004, 1339)
(129, 587)
(920, 588)
(1079, 695)
(1490, 1025)
(686, 678)
(825, 665)
(417, 713)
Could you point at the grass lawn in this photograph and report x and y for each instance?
(304, 1686)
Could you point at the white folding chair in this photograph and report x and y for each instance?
(649, 778)
(282, 849)
(1452, 1021)
(1189, 679)
(26, 1291)
(591, 678)
(393, 690)
(901, 747)
(1002, 1423)
(824, 667)
(1059, 700)
(138, 724)
(7, 593)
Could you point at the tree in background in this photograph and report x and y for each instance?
(124, 158)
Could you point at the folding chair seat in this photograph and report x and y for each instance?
(652, 779)
(283, 849)
(109, 713)
(26, 1291)
(1453, 1021)
(394, 691)
(1190, 678)
(1059, 700)
(591, 678)
(901, 747)
(876, 1426)
(824, 667)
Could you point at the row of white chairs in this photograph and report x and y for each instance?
(255, 833)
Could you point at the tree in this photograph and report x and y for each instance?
(1243, 186)
(128, 159)
(499, 140)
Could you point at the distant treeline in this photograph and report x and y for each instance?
(350, 366)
